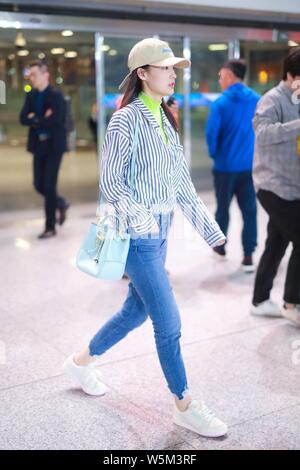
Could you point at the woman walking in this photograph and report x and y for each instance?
(161, 180)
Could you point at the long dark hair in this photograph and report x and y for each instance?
(134, 87)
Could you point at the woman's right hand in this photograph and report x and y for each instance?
(221, 242)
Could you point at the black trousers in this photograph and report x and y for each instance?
(46, 165)
(283, 228)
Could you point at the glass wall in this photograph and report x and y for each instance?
(264, 60)
(264, 63)
(207, 60)
(72, 69)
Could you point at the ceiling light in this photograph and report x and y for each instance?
(70, 54)
(67, 33)
(20, 41)
(57, 50)
(218, 47)
(23, 53)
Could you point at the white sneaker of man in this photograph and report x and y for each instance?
(87, 377)
(268, 308)
(200, 419)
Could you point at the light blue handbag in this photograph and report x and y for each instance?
(103, 253)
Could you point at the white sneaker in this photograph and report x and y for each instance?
(250, 268)
(268, 308)
(85, 376)
(247, 265)
(200, 419)
(292, 314)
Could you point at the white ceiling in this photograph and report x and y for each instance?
(253, 7)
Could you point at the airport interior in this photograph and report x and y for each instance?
(245, 367)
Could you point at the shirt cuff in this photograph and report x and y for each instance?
(215, 237)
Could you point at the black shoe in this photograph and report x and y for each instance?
(47, 234)
(125, 276)
(220, 250)
(63, 214)
(247, 265)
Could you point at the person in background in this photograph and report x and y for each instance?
(93, 122)
(44, 112)
(230, 140)
(276, 173)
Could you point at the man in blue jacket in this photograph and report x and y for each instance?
(230, 139)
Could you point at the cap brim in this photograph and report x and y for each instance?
(177, 62)
(122, 85)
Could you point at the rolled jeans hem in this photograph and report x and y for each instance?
(182, 396)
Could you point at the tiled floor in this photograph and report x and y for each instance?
(245, 368)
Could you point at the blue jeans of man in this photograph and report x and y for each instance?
(240, 185)
(149, 294)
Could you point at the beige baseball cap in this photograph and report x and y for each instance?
(152, 51)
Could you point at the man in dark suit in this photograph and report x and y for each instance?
(44, 111)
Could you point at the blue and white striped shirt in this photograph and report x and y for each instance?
(162, 178)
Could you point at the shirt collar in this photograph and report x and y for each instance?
(152, 104)
(145, 112)
(149, 116)
(42, 92)
(286, 90)
(153, 122)
(166, 121)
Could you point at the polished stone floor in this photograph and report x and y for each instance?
(247, 369)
